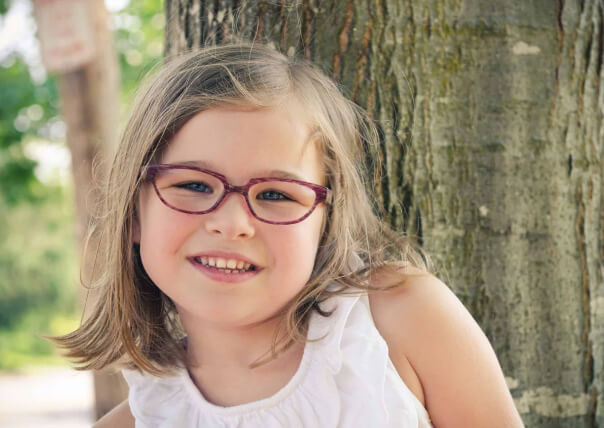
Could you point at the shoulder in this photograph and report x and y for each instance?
(428, 328)
(119, 417)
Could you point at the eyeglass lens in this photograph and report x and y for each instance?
(196, 191)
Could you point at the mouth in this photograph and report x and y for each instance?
(225, 271)
(228, 266)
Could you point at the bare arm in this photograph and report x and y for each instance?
(463, 384)
(119, 417)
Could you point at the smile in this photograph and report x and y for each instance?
(209, 266)
(224, 265)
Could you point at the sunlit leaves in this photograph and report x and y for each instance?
(25, 110)
(139, 41)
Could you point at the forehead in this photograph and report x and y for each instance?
(241, 143)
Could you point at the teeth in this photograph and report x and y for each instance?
(225, 265)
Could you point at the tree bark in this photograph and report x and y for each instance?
(492, 143)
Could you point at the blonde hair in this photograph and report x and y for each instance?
(133, 321)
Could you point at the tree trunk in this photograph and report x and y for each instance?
(492, 137)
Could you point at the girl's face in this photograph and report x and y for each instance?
(240, 145)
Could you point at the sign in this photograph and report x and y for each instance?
(66, 33)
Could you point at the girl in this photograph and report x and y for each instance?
(246, 281)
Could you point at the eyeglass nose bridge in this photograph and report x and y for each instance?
(230, 188)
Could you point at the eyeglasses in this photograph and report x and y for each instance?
(193, 190)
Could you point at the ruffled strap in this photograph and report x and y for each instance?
(326, 332)
(329, 330)
(157, 401)
(358, 359)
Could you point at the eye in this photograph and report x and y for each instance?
(199, 187)
(273, 195)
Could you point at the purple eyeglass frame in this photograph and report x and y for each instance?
(323, 194)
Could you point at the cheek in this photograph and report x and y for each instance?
(162, 232)
(297, 246)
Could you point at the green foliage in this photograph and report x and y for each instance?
(139, 42)
(23, 345)
(17, 176)
(25, 110)
(38, 275)
(37, 257)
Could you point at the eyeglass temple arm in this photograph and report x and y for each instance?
(328, 196)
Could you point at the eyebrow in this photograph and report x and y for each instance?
(274, 173)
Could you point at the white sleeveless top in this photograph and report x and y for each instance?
(344, 380)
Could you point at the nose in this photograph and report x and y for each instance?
(231, 219)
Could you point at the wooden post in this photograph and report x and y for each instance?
(76, 44)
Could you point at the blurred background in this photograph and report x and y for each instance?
(39, 255)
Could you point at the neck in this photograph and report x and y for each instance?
(220, 364)
(215, 346)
